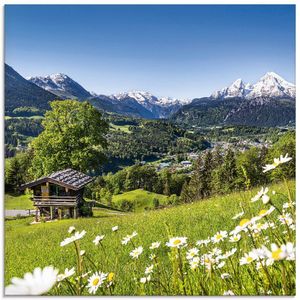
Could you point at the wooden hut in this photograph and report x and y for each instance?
(59, 194)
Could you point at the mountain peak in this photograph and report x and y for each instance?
(61, 85)
(271, 85)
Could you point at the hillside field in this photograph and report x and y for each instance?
(140, 198)
(29, 246)
(17, 202)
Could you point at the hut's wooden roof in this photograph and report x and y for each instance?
(68, 178)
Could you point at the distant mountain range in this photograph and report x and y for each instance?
(269, 102)
(134, 103)
(271, 85)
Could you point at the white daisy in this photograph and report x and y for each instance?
(277, 161)
(228, 293)
(98, 239)
(262, 194)
(115, 228)
(128, 237)
(154, 245)
(95, 281)
(145, 279)
(219, 236)
(194, 262)
(235, 238)
(191, 253)
(71, 229)
(248, 258)
(149, 269)
(77, 236)
(237, 216)
(177, 242)
(66, 274)
(135, 253)
(37, 283)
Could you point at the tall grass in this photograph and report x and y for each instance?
(218, 272)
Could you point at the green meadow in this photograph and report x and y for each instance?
(30, 246)
(140, 198)
(17, 202)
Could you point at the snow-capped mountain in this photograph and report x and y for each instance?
(61, 85)
(237, 89)
(268, 102)
(159, 107)
(271, 85)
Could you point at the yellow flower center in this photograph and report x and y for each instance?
(244, 221)
(249, 259)
(219, 236)
(95, 281)
(111, 276)
(262, 212)
(177, 242)
(276, 254)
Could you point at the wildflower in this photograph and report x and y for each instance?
(128, 237)
(85, 274)
(37, 283)
(238, 215)
(221, 265)
(277, 161)
(265, 212)
(152, 256)
(177, 242)
(203, 242)
(115, 228)
(73, 238)
(191, 253)
(216, 251)
(71, 229)
(194, 262)
(154, 245)
(286, 205)
(110, 279)
(149, 269)
(248, 258)
(286, 219)
(145, 279)
(262, 194)
(228, 293)
(98, 239)
(136, 252)
(229, 253)
(219, 236)
(225, 275)
(95, 281)
(235, 238)
(66, 274)
(285, 251)
(111, 276)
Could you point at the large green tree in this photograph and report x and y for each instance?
(73, 136)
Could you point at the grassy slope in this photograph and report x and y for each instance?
(140, 197)
(17, 202)
(28, 246)
(124, 128)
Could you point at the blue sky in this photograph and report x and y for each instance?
(177, 51)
